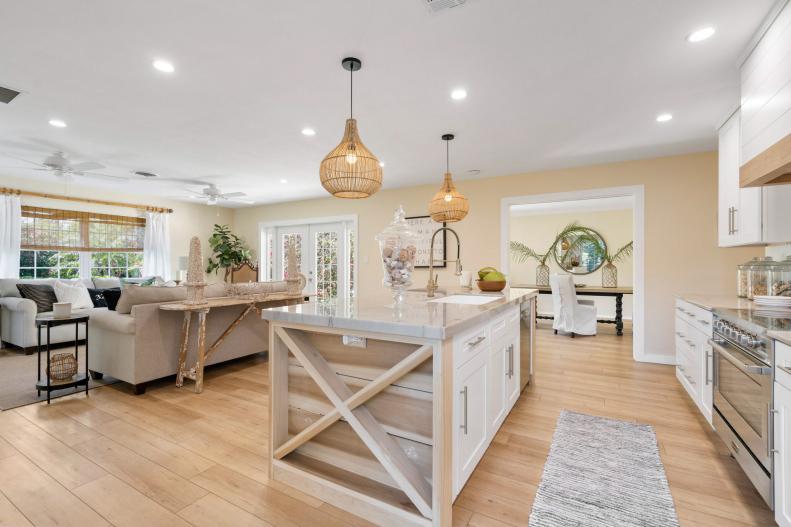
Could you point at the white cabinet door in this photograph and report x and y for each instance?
(495, 391)
(728, 188)
(706, 356)
(782, 457)
(512, 384)
(471, 430)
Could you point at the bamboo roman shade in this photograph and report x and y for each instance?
(46, 229)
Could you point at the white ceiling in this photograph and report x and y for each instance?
(551, 84)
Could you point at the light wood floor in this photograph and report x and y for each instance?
(163, 459)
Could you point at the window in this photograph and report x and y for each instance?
(49, 264)
(119, 265)
(73, 244)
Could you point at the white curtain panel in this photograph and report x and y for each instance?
(10, 235)
(156, 246)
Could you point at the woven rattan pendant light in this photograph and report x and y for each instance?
(351, 170)
(448, 205)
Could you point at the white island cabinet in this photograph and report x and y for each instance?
(386, 409)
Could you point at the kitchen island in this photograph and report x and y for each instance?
(385, 409)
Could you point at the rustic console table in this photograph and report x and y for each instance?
(253, 304)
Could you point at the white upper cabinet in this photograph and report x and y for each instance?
(748, 216)
(766, 89)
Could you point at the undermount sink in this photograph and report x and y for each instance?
(473, 300)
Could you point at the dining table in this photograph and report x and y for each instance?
(590, 290)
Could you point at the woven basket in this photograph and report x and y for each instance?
(62, 366)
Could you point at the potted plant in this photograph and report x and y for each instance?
(522, 252)
(228, 250)
(609, 272)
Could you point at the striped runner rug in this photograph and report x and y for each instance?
(603, 473)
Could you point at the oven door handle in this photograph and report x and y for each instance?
(741, 365)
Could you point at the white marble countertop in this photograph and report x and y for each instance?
(782, 336)
(711, 302)
(415, 317)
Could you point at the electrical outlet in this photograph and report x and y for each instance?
(354, 341)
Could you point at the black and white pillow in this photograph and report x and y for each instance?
(111, 296)
(43, 295)
(103, 297)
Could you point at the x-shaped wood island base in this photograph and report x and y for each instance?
(429, 495)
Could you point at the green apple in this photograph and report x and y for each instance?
(486, 270)
(494, 276)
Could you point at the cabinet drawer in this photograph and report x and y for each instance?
(697, 317)
(783, 364)
(505, 325)
(468, 344)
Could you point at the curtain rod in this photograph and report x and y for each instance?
(17, 192)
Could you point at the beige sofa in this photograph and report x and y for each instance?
(142, 345)
(18, 315)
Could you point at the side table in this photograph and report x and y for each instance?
(49, 321)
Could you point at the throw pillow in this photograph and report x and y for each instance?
(111, 296)
(98, 296)
(142, 282)
(42, 295)
(76, 293)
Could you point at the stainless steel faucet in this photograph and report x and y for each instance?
(432, 278)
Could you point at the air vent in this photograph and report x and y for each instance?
(435, 6)
(145, 174)
(7, 95)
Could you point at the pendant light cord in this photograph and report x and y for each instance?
(351, 92)
(447, 155)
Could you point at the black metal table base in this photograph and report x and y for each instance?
(48, 384)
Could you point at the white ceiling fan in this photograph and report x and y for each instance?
(212, 195)
(59, 164)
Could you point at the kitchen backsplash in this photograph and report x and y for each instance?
(778, 251)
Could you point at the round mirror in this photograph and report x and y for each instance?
(581, 253)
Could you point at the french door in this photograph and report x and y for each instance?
(322, 256)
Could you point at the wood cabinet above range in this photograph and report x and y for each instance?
(766, 105)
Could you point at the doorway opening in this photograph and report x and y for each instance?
(614, 217)
(326, 254)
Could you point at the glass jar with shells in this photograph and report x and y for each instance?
(397, 248)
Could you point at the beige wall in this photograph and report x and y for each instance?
(186, 221)
(681, 253)
(538, 231)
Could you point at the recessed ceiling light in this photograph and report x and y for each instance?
(664, 117)
(458, 94)
(164, 66)
(57, 123)
(308, 131)
(283, 181)
(701, 34)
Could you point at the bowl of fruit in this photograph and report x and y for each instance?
(490, 279)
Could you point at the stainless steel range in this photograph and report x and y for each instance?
(743, 376)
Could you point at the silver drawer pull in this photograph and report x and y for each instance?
(703, 321)
(476, 341)
(464, 423)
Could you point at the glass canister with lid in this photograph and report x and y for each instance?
(398, 247)
(781, 277)
(743, 279)
(760, 276)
